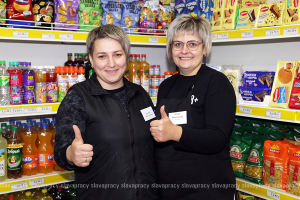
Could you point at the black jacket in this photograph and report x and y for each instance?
(122, 145)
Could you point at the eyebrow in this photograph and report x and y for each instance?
(106, 52)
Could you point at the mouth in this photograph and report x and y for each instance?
(185, 58)
(111, 72)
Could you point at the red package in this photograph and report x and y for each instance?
(295, 94)
(19, 10)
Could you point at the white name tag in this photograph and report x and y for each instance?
(148, 113)
(178, 117)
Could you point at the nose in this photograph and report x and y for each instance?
(111, 61)
(185, 48)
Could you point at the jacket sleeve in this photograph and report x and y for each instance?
(219, 114)
(71, 112)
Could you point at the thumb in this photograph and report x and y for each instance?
(163, 113)
(77, 133)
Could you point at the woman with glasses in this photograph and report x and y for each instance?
(196, 111)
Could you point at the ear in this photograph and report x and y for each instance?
(91, 60)
(204, 52)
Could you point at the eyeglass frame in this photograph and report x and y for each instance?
(185, 43)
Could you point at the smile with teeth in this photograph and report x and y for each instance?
(111, 71)
(181, 58)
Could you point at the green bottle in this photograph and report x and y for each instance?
(3, 158)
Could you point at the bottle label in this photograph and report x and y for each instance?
(4, 80)
(28, 88)
(136, 77)
(145, 80)
(30, 161)
(126, 74)
(91, 72)
(45, 159)
(16, 80)
(52, 92)
(62, 87)
(15, 95)
(28, 79)
(72, 79)
(81, 78)
(40, 92)
(2, 162)
(14, 156)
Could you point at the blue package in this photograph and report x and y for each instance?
(262, 79)
(26, 25)
(179, 7)
(131, 14)
(254, 93)
(205, 7)
(191, 8)
(112, 12)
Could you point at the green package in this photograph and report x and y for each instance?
(90, 13)
(2, 11)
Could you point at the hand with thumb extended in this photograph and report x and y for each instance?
(79, 153)
(164, 130)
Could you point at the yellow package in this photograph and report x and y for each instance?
(2, 11)
(291, 12)
(286, 72)
(230, 8)
(217, 18)
(252, 3)
(270, 15)
(247, 17)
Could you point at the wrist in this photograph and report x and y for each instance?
(178, 133)
(69, 155)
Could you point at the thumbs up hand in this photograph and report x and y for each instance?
(164, 130)
(79, 153)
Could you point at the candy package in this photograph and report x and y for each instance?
(165, 17)
(66, 13)
(112, 12)
(2, 11)
(149, 15)
(43, 11)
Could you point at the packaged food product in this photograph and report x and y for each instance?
(179, 7)
(19, 10)
(291, 12)
(270, 15)
(230, 8)
(245, 196)
(191, 7)
(252, 3)
(263, 79)
(295, 94)
(153, 91)
(130, 14)
(148, 16)
(112, 12)
(292, 137)
(253, 93)
(234, 74)
(206, 9)
(294, 175)
(286, 71)
(43, 11)
(66, 14)
(2, 11)
(247, 17)
(90, 13)
(165, 17)
(276, 159)
(218, 15)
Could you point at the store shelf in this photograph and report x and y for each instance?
(264, 191)
(28, 110)
(27, 182)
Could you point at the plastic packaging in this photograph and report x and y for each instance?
(45, 150)
(29, 151)
(40, 85)
(4, 85)
(52, 87)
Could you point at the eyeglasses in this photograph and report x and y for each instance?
(191, 45)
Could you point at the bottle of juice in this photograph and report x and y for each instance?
(86, 65)
(4, 84)
(144, 73)
(81, 60)
(45, 151)
(59, 194)
(16, 83)
(3, 158)
(69, 61)
(8, 132)
(62, 84)
(14, 155)
(33, 124)
(72, 78)
(21, 130)
(53, 129)
(37, 129)
(126, 73)
(134, 73)
(36, 193)
(18, 124)
(3, 127)
(51, 78)
(44, 195)
(40, 85)
(29, 152)
(19, 195)
(12, 122)
(81, 75)
(28, 85)
(138, 58)
(27, 196)
(11, 196)
(76, 60)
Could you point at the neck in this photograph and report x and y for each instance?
(187, 72)
(112, 86)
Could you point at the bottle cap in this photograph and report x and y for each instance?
(47, 120)
(23, 125)
(21, 63)
(27, 63)
(33, 121)
(51, 67)
(11, 121)
(8, 127)
(45, 125)
(0, 130)
(42, 119)
(54, 118)
(53, 122)
(39, 123)
(27, 194)
(3, 124)
(143, 55)
(59, 188)
(14, 128)
(18, 123)
(28, 120)
(16, 63)
(44, 190)
(69, 54)
(11, 196)
(76, 54)
(39, 67)
(29, 126)
(10, 63)
(2, 62)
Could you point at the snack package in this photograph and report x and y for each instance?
(247, 17)
(19, 10)
(252, 3)
(165, 17)
(90, 13)
(218, 15)
(66, 13)
(148, 16)
(253, 93)
(230, 8)
(286, 71)
(234, 74)
(245, 196)
(294, 175)
(292, 137)
(130, 15)
(270, 15)
(43, 11)
(262, 79)
(112, 12)
(206, 9)
(295, 94)
(276, 159)
(291, 12)
(191, 8)
(179, 7)
(2, 11)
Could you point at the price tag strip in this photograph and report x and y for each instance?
(20, 34)
(273, 195)
(290, 31)
(247, 34)
(274, 114)
(66, 36)
(18, 186)
(48, 36)
(246, 110)
(153, 40)
(223, 36)
(272, 32)
(35, 182)
(214, 36)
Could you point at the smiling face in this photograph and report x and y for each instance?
(109, 62)
(188, 62)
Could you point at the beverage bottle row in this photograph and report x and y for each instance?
(81, 60)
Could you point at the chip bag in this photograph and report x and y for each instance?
(130, 15)
(165, 17)
(294, 175)
(90, 13)
(112, 12)
(2, 11)
(43, 11)
(148, 16)
(19, 10)
(66, 14)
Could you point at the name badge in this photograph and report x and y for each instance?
(148, 113)
(178, 118)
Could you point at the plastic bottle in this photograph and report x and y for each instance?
(76, 60)
(11, 196)
(138, 58)
(81, 75)
(8, 132)
(62, 84)
(28, 121)
(4, 196)
(40, 85)
(3, 158)
(72, 194)
(28, 84)
(45, 151)
(86, 65)
(33, 124)
(27, 196)
(69, 61)
(144, 73)
(42, 119)
(36, 193)
(29, 152)
(53, 129)
(72, 77)
(37, 129)
(12, 122)
(16, 83)
(4, 84)
(47, 121)
(3, 128)
(44, 195)
(52, 88)
(134, 73)
(126, 73)
(53, 118)
(14, 155)
(59, 195)
(18, 124)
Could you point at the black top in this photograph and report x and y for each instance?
(180, 87)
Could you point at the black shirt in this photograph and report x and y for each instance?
(181, 86)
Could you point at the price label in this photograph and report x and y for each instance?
(154, 101)
(36, 182)
(223, 36)
(274, 114)
(10, 111)
(18, 186)
(246, 110)
(29, 110)
(48, 36)
(247, 34)
(290, 31)
(273, 195)
(3, 111)
(18, 110)
(153, 40)
(66, 36)
(20, 34)
(214, 36)
(71, 176)
(272, 32)
(46, 109)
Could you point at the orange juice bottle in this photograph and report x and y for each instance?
(53, 128)
(45, 150)
(144, 73)
(40, 85)
(126, 73)
(29, 152)
(134, 73)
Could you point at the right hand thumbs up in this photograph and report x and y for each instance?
(79, 153)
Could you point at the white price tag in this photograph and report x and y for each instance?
(48, 36)
(273, 195)
(36, 182)
(18, 110)
(274, 114)
(18, 186)
(46, 109)
(245, 110)
(214, 36)
(154, 101)
(223, 36)
(38, 109)
(290, 31)
(66, 36)
(10, 111)
(272, 32)
(3, 111)
(29, 110)
(71, 176)
(21, 34)
(247, 34)
(153, 40)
